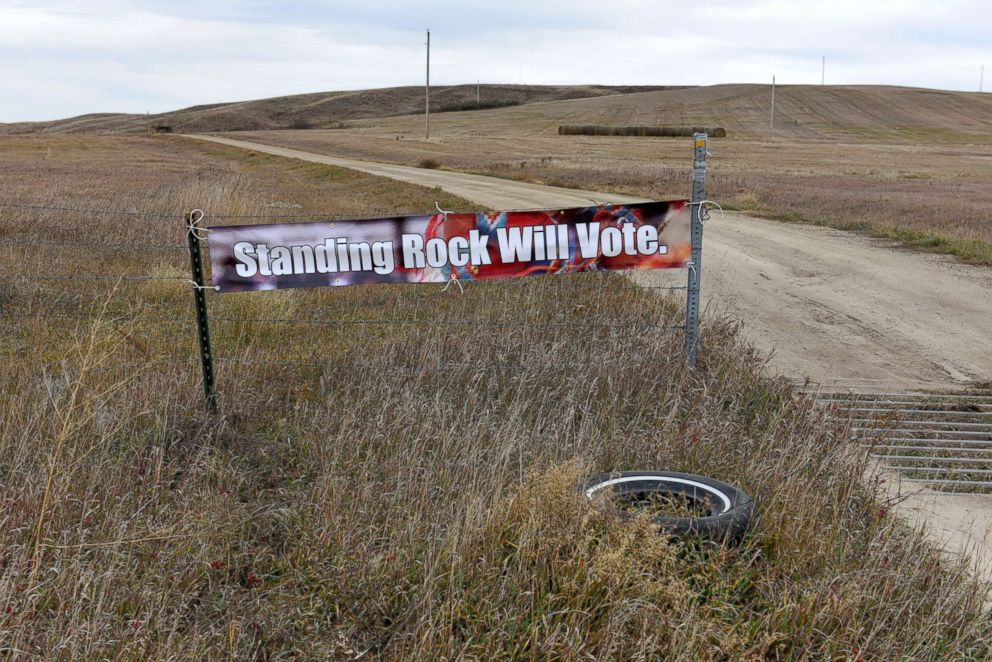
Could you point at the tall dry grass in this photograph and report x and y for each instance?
(418, 500)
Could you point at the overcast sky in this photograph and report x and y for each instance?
(64, 58)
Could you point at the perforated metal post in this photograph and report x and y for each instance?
(200, 302)
(696, 264)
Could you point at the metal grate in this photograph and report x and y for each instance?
(942, 441)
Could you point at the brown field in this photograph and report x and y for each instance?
(392, 473)
(909, 164)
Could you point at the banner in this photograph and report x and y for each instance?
(439, 247)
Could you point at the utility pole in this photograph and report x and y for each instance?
(981, 80)
(427, 92)
(823, 71)
(771, 118)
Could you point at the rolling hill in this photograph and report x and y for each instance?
(321, 110)
(802, 112)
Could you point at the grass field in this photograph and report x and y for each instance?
(408, 492)
(911, 165)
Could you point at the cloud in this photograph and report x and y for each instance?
(68, 58)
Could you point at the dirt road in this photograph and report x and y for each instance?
(830, 305)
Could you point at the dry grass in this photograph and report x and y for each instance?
(390, 511)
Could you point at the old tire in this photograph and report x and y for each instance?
(729, 512)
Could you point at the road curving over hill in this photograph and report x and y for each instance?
(836, 307)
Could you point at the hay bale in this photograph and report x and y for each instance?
(640, 131)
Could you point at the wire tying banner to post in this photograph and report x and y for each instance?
(446, 246)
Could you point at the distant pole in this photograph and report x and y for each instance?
(981, 80)
(823, 71)
(478, 93)
(771, 118)
(427, 92)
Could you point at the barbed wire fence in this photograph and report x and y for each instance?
(151, 310)
(54, 304)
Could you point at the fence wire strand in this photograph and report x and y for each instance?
(90, 244)
(114, 277)
(80, 210)
(432, 367)
(111, 317)
(486, 282)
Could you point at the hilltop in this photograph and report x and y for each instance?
(802, 112)
(321, 110)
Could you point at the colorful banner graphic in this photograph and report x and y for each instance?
(437, 248)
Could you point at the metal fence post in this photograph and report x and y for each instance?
(193, 230)
(695, 265)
